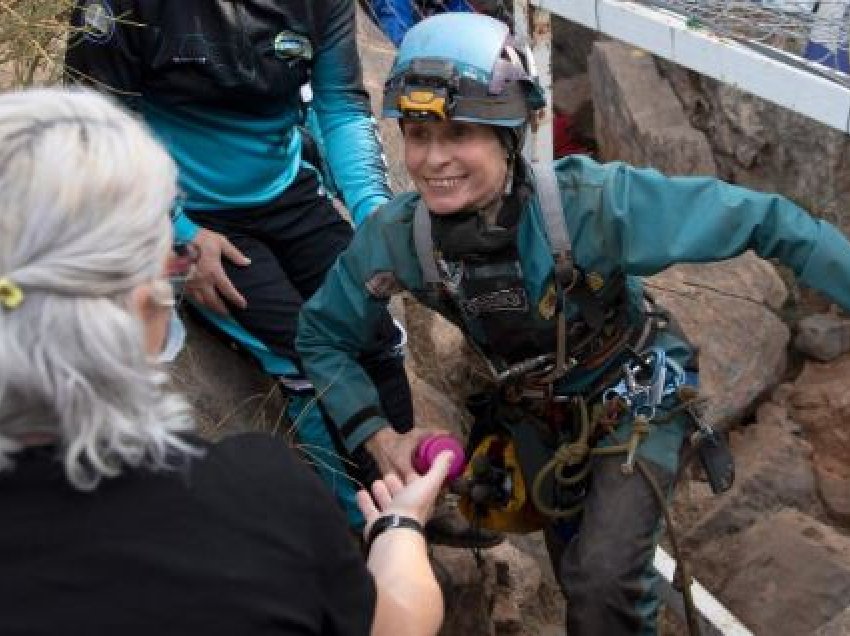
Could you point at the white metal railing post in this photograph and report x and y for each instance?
(522, 29)
(714, 618)
(541, 47)
(533, 28)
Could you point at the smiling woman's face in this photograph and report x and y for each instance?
(454, 165)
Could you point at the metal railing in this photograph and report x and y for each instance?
(752, 63)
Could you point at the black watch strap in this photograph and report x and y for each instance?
(388, 522)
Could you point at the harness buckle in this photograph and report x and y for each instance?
(646, 382)
(565, 273)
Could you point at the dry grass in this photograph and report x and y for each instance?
(32, 41)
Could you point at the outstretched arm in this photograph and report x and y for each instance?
(400, 597)
(652, 222)
(337, 325)
(409, 598)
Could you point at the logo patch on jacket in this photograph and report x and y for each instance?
(548, 302)
(383, 285)
(293, 46)
(502, 300)
(98, 21)
(595, 281)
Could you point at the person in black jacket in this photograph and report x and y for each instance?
(223, 86)
(116, 519)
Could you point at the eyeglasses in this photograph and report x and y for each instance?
(181, 266)
(176, 210)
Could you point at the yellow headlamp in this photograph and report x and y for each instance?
(421, 103)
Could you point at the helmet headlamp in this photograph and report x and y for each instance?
(427, 89)
(479, 77)
(421, 103)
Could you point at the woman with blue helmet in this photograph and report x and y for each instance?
(539, 267)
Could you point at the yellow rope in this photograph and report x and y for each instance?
(579, 451)
(573, 454)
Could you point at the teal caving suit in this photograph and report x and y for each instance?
(624, 223)
(220, 84)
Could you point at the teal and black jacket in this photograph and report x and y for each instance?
(635, 222)
(218, 82)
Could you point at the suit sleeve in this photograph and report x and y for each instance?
(348, 128)
(334, 328)
(652, 222)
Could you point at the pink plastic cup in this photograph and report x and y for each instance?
(432, 446)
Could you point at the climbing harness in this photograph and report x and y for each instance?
(602, 337)
(646, 381)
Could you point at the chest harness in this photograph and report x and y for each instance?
(550, 434)
(489, 302)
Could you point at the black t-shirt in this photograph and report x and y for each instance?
(242, 542)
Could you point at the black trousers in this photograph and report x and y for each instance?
(292, 242)
(605, 570)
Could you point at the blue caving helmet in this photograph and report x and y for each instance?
(464, 67)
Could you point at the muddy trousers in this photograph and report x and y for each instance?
(605, 567)
(292, 241)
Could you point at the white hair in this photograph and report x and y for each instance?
(85, 195)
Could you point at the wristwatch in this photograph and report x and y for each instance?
(388, 522)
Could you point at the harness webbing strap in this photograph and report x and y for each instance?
(425, 244)
(546, 184)
(552, 209)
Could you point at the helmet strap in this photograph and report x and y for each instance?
(509, 178)
(510, 140)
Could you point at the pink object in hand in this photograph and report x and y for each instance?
(432, 446)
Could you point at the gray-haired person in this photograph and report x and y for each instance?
(116, 519)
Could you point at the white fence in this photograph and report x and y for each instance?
(800, 85)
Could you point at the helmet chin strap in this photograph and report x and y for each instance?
(489, 212)
(509, 176)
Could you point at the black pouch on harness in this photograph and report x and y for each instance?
(535, 486)
(554, 451)
(711, 447)
(716, 460)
